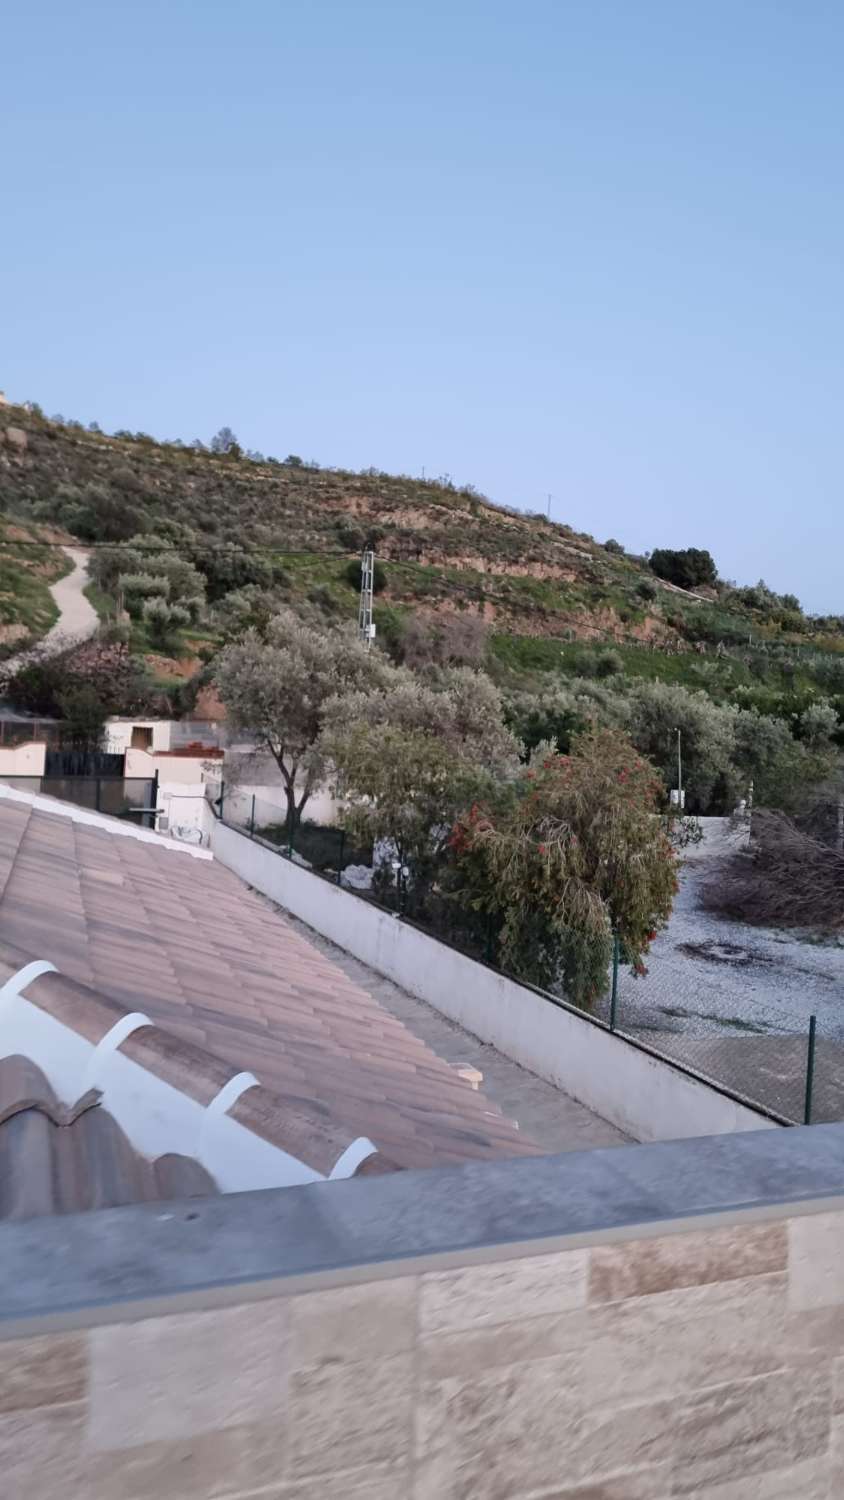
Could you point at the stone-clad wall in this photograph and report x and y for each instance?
(707, 1362)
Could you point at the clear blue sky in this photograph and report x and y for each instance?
(592, 247)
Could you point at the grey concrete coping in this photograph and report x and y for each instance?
(132, 1262)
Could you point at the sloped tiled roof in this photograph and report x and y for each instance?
(187, 943)
(55, 1159)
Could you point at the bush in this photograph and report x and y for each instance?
(163, 620)
(686, 568)
(83, 714)
(645, 589)
(786, 879)
(354, 575)
(608, 664)
(232, 567)
(138, 588)
(117, 677)
(611, 545)
(445, 640)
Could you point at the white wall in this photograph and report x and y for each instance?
(119, 733)
(641, 1094)
(190, 769)
(248, 772)
(23, 760)
(189, 818)
(271, 804)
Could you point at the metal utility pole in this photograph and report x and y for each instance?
(678, 795)
(366, 627)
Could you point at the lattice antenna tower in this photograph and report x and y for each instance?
(366, 625)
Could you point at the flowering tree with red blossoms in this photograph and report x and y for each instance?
(577, 855)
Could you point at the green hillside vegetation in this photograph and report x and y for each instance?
(241, 517)
(28, 565)
(194, 545)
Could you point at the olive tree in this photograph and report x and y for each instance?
(575, 856)
(408, 755)
(276, 687)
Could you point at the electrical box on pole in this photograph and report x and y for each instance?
(366, 625)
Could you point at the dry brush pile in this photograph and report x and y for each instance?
(785, 878)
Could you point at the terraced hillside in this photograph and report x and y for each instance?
(541, 587)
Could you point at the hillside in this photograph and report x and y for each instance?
(545, 591)
(519, 570)
(30, 560)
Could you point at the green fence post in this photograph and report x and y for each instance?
(252, 818)
(222, 798)
(614, 992)
(97, 794)
(490, 939)
(810, 1071)
(340, 856)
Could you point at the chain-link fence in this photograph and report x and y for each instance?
(795, 1074)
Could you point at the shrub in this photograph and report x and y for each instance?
(137, 588)
(354, 576)
(608, 664)
(163, 620)
(686, 568)
(645, 589)
(611, 545)
(447, 640)
(785, 879)
(83, 714)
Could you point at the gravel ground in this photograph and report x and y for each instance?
(710, 975)
(734, 1002)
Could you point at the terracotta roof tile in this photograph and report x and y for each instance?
(188, 944)
(65, 1160)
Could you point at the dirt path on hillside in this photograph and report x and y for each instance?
(77, 617)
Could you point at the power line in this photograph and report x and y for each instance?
(443, 582)
(167, 546)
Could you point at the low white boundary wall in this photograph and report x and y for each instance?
(643, 1095)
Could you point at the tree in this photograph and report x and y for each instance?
(658, 710)
(249, 608)
(163, 619)
(408, 755)
(277, 689)
(83, 713)
(96, 513)
(225, 441)
(575, 856)
(818, 723)
(782, 770)
(687, 568)
(138, 588)
(232, 567)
